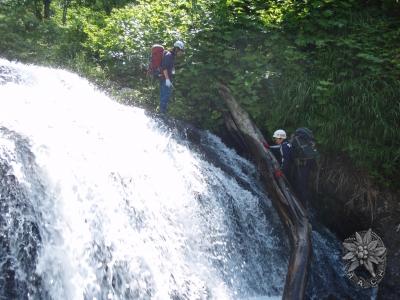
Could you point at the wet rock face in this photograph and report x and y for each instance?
(8, 74)
(387, 225)
(20, 237)
(348, 202)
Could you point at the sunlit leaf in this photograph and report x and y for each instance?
(368, 265)
(379, 251)
(367, 237)
(372, 245)
(354, 265)
(358, 238)
(376, 261)
(349, 255)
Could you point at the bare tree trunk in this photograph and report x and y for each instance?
(38, 9)
(46, 8)
(65, 9)
(291, 212)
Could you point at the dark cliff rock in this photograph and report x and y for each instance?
(348, 201)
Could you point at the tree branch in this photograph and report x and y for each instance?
(291, 211)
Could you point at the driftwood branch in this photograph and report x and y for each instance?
(291, 212)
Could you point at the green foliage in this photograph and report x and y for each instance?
(102, 5)
(24, 36)
(121, 43)
(330, 65)
(339, 76)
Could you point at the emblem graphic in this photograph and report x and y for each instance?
(365, 258)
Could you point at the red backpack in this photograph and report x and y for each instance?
(157, 54)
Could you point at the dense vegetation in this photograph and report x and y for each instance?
(331, 65)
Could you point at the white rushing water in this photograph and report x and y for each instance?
(124, 208)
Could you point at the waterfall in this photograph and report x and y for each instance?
(103, 201)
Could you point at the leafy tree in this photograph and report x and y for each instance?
(104, 5)
(46, 8)
(330, 65)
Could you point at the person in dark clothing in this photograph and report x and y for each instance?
(167, 71)
(297, 171)
(305, 159)
(301, 176)
(282, 150)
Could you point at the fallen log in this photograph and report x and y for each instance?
(291, 211)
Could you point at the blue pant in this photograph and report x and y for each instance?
(165, 94)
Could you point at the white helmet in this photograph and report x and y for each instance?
(279, 134)
(180, 45)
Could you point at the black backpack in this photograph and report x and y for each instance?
(303, 145)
